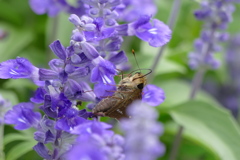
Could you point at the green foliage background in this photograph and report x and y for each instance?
(211, 133)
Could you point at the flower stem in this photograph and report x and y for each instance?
(1, 141)
(53, 34)
(196, 83)
(171, 21)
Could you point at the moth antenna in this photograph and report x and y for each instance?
(133, 52)
(150, 71)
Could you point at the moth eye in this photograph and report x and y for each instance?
(140, 86)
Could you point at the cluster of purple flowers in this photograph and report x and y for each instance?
(232, 61)
(228, 93)
(93, 57)
(216, 14)
(128, 10)
(142, 133)
(53, 7)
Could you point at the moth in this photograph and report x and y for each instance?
(129, 89)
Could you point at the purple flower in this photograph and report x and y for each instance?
(22, 116)
(142, 133)
(79, 91)
(103, 72)
(19, 68)
(64, 131)
(216, 16)
(58, 49)
(130, 11)
(87, 149)
(228, 93)
(59, 140)
(56, 105)
(90, 127)
(70, 120)
(153, 95)
(83, 24)
(45, 6)
(53, 7)
(103, 90)
(95, 141)
(118, 57)
(156, 33)
(232, 57)
(39, 95)
(42, 150)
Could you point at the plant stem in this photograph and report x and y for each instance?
(197, 81)
(1, 141)
(171, 21)
(52, 36)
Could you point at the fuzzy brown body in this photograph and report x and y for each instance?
(129, 89)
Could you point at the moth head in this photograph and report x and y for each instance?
(135, 79)
(139, 80)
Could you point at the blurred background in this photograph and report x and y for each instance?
(25, 34)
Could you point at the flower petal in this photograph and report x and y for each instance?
(58, 49)
(153, 95)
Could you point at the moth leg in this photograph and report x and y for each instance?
(112, 84)
(121, 72)
(88, 91)
(100, 114)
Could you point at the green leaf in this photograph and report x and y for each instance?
(15, 42)
(211, 126)
(20, 149)
(10, 96)
(14, 137)
(177, 92)
(189, 148)
(9, 13)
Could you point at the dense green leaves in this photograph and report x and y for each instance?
(211, 126)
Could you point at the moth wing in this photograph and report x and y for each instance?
(119, 110)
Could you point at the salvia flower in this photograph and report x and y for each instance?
(153, 95)
(19, 68)
(228, 93)
(23, 116)
(91, 59)
(53, 7)
(96, 141)
(155, 32)
(232, 57)
(141, 133)
(130, 11)
(216, 15)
